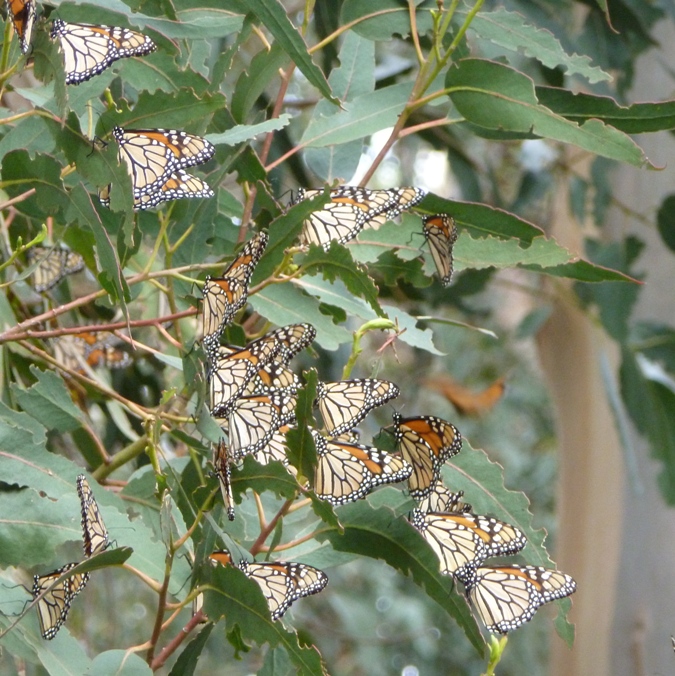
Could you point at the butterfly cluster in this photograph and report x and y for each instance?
(253, 398)
(55, 591)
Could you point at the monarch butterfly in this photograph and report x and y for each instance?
(53, 607)
(345, 403)
(23, 14)
(441, 234)
(426, 442)
(292, 339)
(231, 372)
(53, 264)
(468, 402)
(76, 349)
(155, 159)
(89, 49)
(221, 465)
(95, 533)
(462, 541)
(440, 499)
(346, 472)
(508, 596)
(225, 296)
(254, 419)
(350, 210)
(281, 583)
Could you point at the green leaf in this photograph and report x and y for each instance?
(252, 83)
(492, 252)
(387, 18)
(362, 117)
(273, 16)
(301, 449)
(49, 402)
(242, 132)
(239, 600)
(53, 522)
(354, 77)
(272, 477)
(409, 331)
(120, 663)
(495, 96)
(651, 405)
(182, 110)
(379, 534)
(21, 173)
(615, 300)
(337, 263)
(187, 661)
(480, 219)
(665, 220)
(636, 118)
(285, 303)
(509, 30)
(656, 341)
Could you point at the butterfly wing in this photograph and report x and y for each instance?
(463, 541)
(347, 472)
(53, 264)
(23, 14)
(508, 596)
(95, 534)
(89, 49)
(57, 597)
(284, 583)
(343, 404)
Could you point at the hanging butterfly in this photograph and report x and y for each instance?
(254, 419)
(346, 472)
(53, 607)
(53, 264)
(426, 442)
(23, 14)
(440, 233)
(221, 465)
(345, 403)
(462, 541)
(225, 296)
(281, 583)
(350, 210)
(75, 350)
(89, 49)
(292, 339)
(156, 159)
(505, 597)
(231, 372)
(440, 499)
(95, 534)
